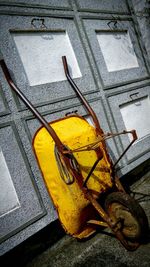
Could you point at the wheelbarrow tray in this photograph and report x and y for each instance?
(74, 210)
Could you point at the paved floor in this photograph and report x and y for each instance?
(102, 249)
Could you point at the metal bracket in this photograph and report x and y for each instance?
(38, 23)
(134, 97)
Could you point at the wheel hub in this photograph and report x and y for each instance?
(124, 220)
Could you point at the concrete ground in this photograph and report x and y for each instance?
(102, 249)
(51, 247)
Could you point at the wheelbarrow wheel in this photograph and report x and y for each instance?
(128, 216)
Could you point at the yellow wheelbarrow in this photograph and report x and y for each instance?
(80, 176)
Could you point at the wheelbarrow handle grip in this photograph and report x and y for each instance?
(134, 135)
(78, 92)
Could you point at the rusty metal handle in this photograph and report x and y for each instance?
(59, 144)
(78, 92)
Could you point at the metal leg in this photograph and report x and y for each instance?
(134, 135)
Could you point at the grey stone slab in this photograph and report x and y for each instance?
(140, 6)
(119, 6)
(2, 106)
(38, 3)
(4, 109)
(30, 45)
(138, 111)
(94, 28)
(26, 204)
(142, 19)
(49, 92)
(119, 44)
(117, 103)
(7, 189)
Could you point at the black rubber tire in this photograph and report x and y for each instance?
(130, 210)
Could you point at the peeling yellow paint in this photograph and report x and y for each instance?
(74, 210)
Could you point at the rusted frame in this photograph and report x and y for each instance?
(107, 220)
(103, 136)
(67, 154)
(134, 135)
(133, 132)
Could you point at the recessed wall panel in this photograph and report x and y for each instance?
(2, 106)
(117, 54)
(136, 115)
(117, 50)
(46, 50)
(20, 198)
(8, 196)
(3, 103)
(131, 111)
